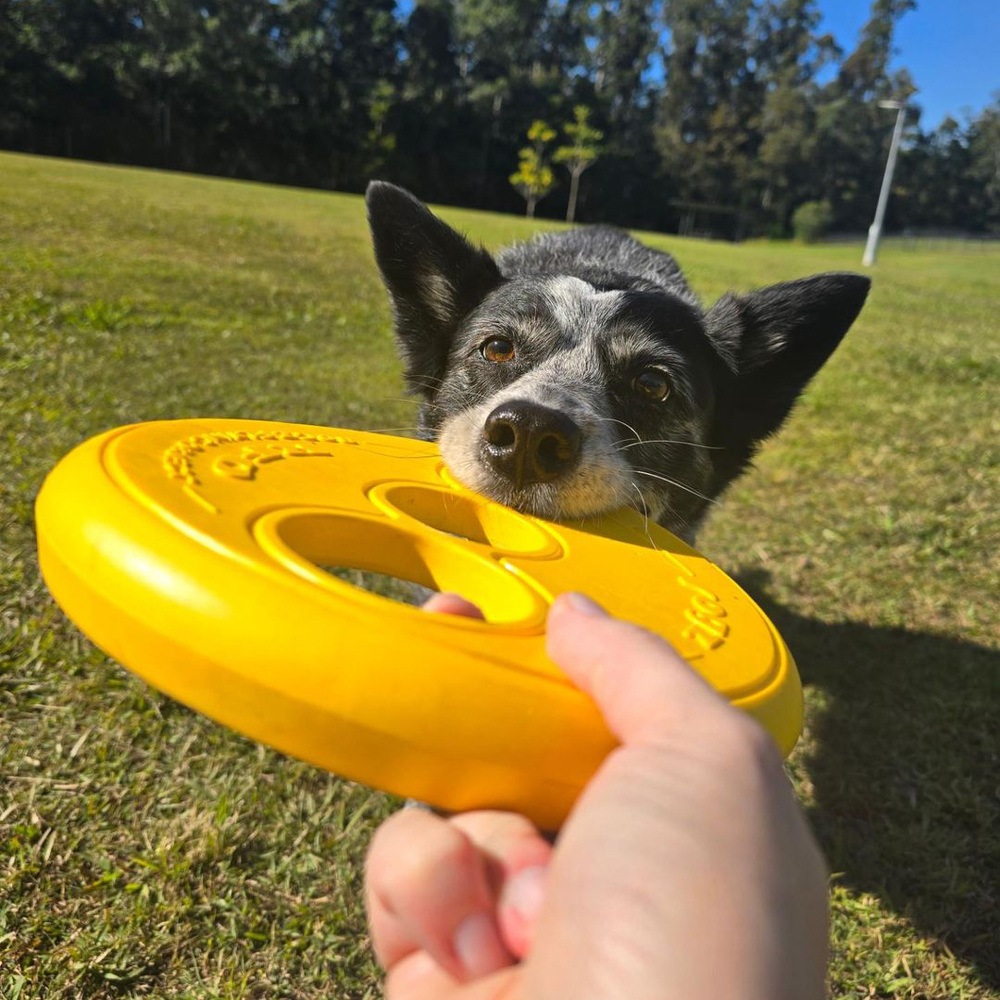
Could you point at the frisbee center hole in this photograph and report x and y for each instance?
(466, 516)
(385, 560)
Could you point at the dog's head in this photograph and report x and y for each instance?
(568, 393)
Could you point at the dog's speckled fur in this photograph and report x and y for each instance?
(587, 310)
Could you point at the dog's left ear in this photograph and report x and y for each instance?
(434, 275)
(777, 338)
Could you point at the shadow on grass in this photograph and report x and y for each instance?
(904, 758)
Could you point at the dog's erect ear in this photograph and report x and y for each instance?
(777, 339)
(434, 276)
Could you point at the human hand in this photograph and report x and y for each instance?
(685, 869)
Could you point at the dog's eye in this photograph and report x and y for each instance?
(653, 384)
(498, 349)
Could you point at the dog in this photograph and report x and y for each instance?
(578, 373)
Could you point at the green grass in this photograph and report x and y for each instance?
(146, 851)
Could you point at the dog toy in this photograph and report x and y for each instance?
(193, 552)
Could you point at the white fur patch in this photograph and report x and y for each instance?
(438, 294)
(576, 303)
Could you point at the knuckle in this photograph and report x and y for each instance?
(440, 851)
(408, 849)
(386, 836)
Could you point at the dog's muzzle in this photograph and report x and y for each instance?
(528, 443)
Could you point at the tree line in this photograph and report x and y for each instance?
(721, 116)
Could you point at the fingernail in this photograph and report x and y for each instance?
(584, 605)
(478, 947)
(524, 892)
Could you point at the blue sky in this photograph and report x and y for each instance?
(950, 47)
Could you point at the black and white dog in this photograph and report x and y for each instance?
(578, 373)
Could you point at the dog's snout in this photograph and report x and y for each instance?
(529, 443)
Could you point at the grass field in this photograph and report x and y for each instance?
(144, 851)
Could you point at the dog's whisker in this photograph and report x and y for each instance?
(645, 508)
(693, 444)
(615, 420)
(396, 457)
(674, 482)
(645, 516)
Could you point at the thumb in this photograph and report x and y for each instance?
(643, 687)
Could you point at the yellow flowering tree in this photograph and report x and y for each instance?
(533, 178)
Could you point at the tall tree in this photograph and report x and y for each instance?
(580, 152)
(852, 130)
(788, 53)
(785, 45)
(708, 114)
(984, 150)
(864, 74)
(366, 35)
(508, 76)
(62, 64)
(624, 38)
(438, 141)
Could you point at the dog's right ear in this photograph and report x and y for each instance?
(776, 338)
(434, 276)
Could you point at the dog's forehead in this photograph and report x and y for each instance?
(564, 308)
(576, 304)
(622, 325)
(581, 317)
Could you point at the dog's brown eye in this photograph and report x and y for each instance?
(653, 384)
(498, 349)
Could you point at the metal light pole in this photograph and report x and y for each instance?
(875, 229)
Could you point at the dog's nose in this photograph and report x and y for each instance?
(529, 443)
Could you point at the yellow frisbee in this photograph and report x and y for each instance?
(193, 551)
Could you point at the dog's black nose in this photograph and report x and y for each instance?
(529, 443)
